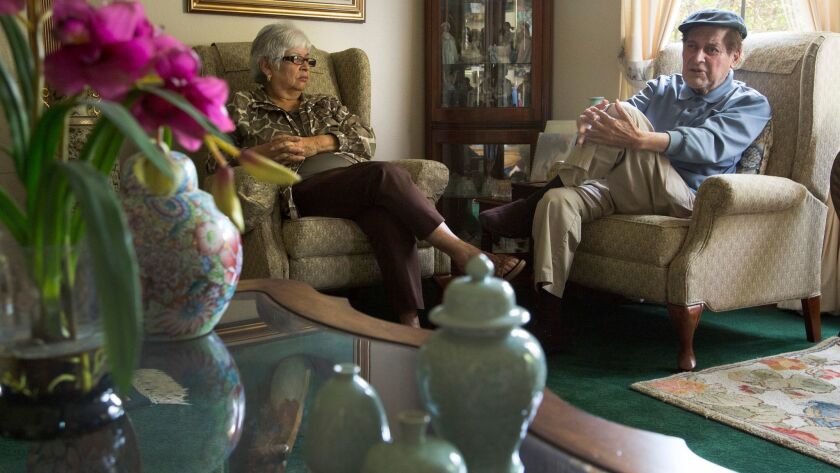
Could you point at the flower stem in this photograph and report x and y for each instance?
(36, 20)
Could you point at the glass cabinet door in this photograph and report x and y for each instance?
(485, 53)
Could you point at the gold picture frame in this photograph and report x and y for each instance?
(336, 10)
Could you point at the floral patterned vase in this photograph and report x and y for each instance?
(189, 253)
(481, 376)
(189, 390)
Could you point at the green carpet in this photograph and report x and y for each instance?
(610, 346)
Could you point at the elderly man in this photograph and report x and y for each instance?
(648, 155)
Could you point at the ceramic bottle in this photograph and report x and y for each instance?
(346, 420)
(413, 451)
(480, 375)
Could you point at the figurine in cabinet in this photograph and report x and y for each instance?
(448, 44)
(522, 41)
(471, 54)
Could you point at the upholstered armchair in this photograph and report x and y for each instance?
(752, 239)
(326, 253)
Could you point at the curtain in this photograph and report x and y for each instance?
(646, 26)
(817, 15)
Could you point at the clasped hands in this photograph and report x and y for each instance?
(289, 149)
(609, 124)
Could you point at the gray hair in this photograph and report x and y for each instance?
(271, 42)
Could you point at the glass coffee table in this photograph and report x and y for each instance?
(237, 400)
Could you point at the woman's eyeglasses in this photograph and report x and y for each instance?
(299, 60)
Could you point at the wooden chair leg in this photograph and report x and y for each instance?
(813, 325)
(685, 320)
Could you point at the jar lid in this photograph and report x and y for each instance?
(479, 301)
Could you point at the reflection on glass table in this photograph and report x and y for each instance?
(238, 401)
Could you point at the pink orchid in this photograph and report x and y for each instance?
(72, 21)
(10, 7)
(174, 62)
(206, 94)
(108, 48)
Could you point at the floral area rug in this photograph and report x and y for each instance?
(792, 399)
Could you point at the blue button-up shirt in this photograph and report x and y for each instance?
(708, 132)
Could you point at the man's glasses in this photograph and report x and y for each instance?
(299, 60)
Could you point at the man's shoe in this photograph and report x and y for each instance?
(511, 220)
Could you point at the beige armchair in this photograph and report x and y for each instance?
(753, 239)
(326, 253)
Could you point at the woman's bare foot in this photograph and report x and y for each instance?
(506, 267)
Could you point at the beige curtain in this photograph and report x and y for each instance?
(646, 27)
(817, 15)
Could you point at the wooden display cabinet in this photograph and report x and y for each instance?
(488, 95)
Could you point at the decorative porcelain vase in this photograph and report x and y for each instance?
(480, 375)
(188, 386)
(346, 420)
(188, 251)
(54, 379)
(413, 451)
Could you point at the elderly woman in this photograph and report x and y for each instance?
(332, 150)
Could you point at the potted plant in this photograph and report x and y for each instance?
(148, 84)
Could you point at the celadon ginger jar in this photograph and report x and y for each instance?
(481, 376)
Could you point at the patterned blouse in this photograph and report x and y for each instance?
(258, 120)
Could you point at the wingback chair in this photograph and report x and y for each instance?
(326, 253)
(752, 239)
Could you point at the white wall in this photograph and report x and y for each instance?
(587, 37)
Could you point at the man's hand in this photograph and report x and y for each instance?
(618, 131)
(585, 119)
(612, 126)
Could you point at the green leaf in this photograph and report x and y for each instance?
(24, 63)
(15, 111)
(13, 218)
(44, 147)
(186, 107)
(116, 272)
(102, 146)
(125, 122)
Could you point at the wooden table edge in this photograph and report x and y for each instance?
(605, 444)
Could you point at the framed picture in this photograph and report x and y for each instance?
(337, 10)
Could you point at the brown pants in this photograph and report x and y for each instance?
(383, 200)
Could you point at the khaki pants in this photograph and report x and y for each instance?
(601, 180)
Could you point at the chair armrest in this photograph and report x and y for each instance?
(735, 194)
(258, 198)
(753, 240)
(429, 175)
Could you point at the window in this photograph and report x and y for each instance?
(759, 15)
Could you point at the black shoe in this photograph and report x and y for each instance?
(511, 220)
(514, 220)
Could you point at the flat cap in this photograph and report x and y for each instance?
(714, 17)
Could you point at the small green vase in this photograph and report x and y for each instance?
(414, 452)
(481, 376)
(346, 420)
